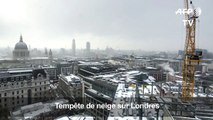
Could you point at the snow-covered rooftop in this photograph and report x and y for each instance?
(126, 95)
(33, 110)
(75, 117)
(72, 78)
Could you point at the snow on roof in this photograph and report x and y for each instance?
(147, 89)
(71, 78)
(100, 94)
(126, 95)
(151, 68)
(90, 63)
(152, 79)
(132, 72)
(78, 117)
(31, 106)
(124, 118)
(179, 81)
(75, 117)
(106, 75)
(33, 110)
(36, 113)
(121, 69)
(198, 75)
(96, 68)
(39, 58)
(49, 66)
(62, 118)
(120, 94)
(120, 77)
(60, 101)
(19, 70)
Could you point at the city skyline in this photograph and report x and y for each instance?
(133, 25)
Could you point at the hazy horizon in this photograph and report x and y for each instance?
(147, 25)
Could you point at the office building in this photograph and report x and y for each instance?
(20, 87)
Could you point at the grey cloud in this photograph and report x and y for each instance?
(133, 24)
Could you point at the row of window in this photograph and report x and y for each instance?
(39, 94)
(22, 91)
(40, 83)
(5, 94)
(19, 78)
(13, 83)
(13, 103)
(21, 83)
(13, 98)
(40, 88)
(18, 97)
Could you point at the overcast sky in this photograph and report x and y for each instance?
(120, 24)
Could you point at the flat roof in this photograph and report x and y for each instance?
(62, 118)
(33, 110)
(71, 78)
(18, 71)
(75, 117)
(126, 94)
(90, 63)
(31, 106)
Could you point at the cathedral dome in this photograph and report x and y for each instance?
(21, 51)
(21, 45)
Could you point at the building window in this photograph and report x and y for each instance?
(5, 94)
(40, 88)
(12, 93)
(22, 96)
(17, 102)
(22, 101)
(35, 83)
(5, 99)
(35, 89)
(22, 91)
(17, 92)
(17, 97)
(5, 79)
(28, 77)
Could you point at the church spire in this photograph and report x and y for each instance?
(21, 39)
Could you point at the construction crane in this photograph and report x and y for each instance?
(191, 56)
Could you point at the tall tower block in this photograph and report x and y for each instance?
(73, 47)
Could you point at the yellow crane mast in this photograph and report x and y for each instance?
(191, 56)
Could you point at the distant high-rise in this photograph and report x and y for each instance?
(45, 52)
(50, 54)
(73, 47)
(88, 47)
